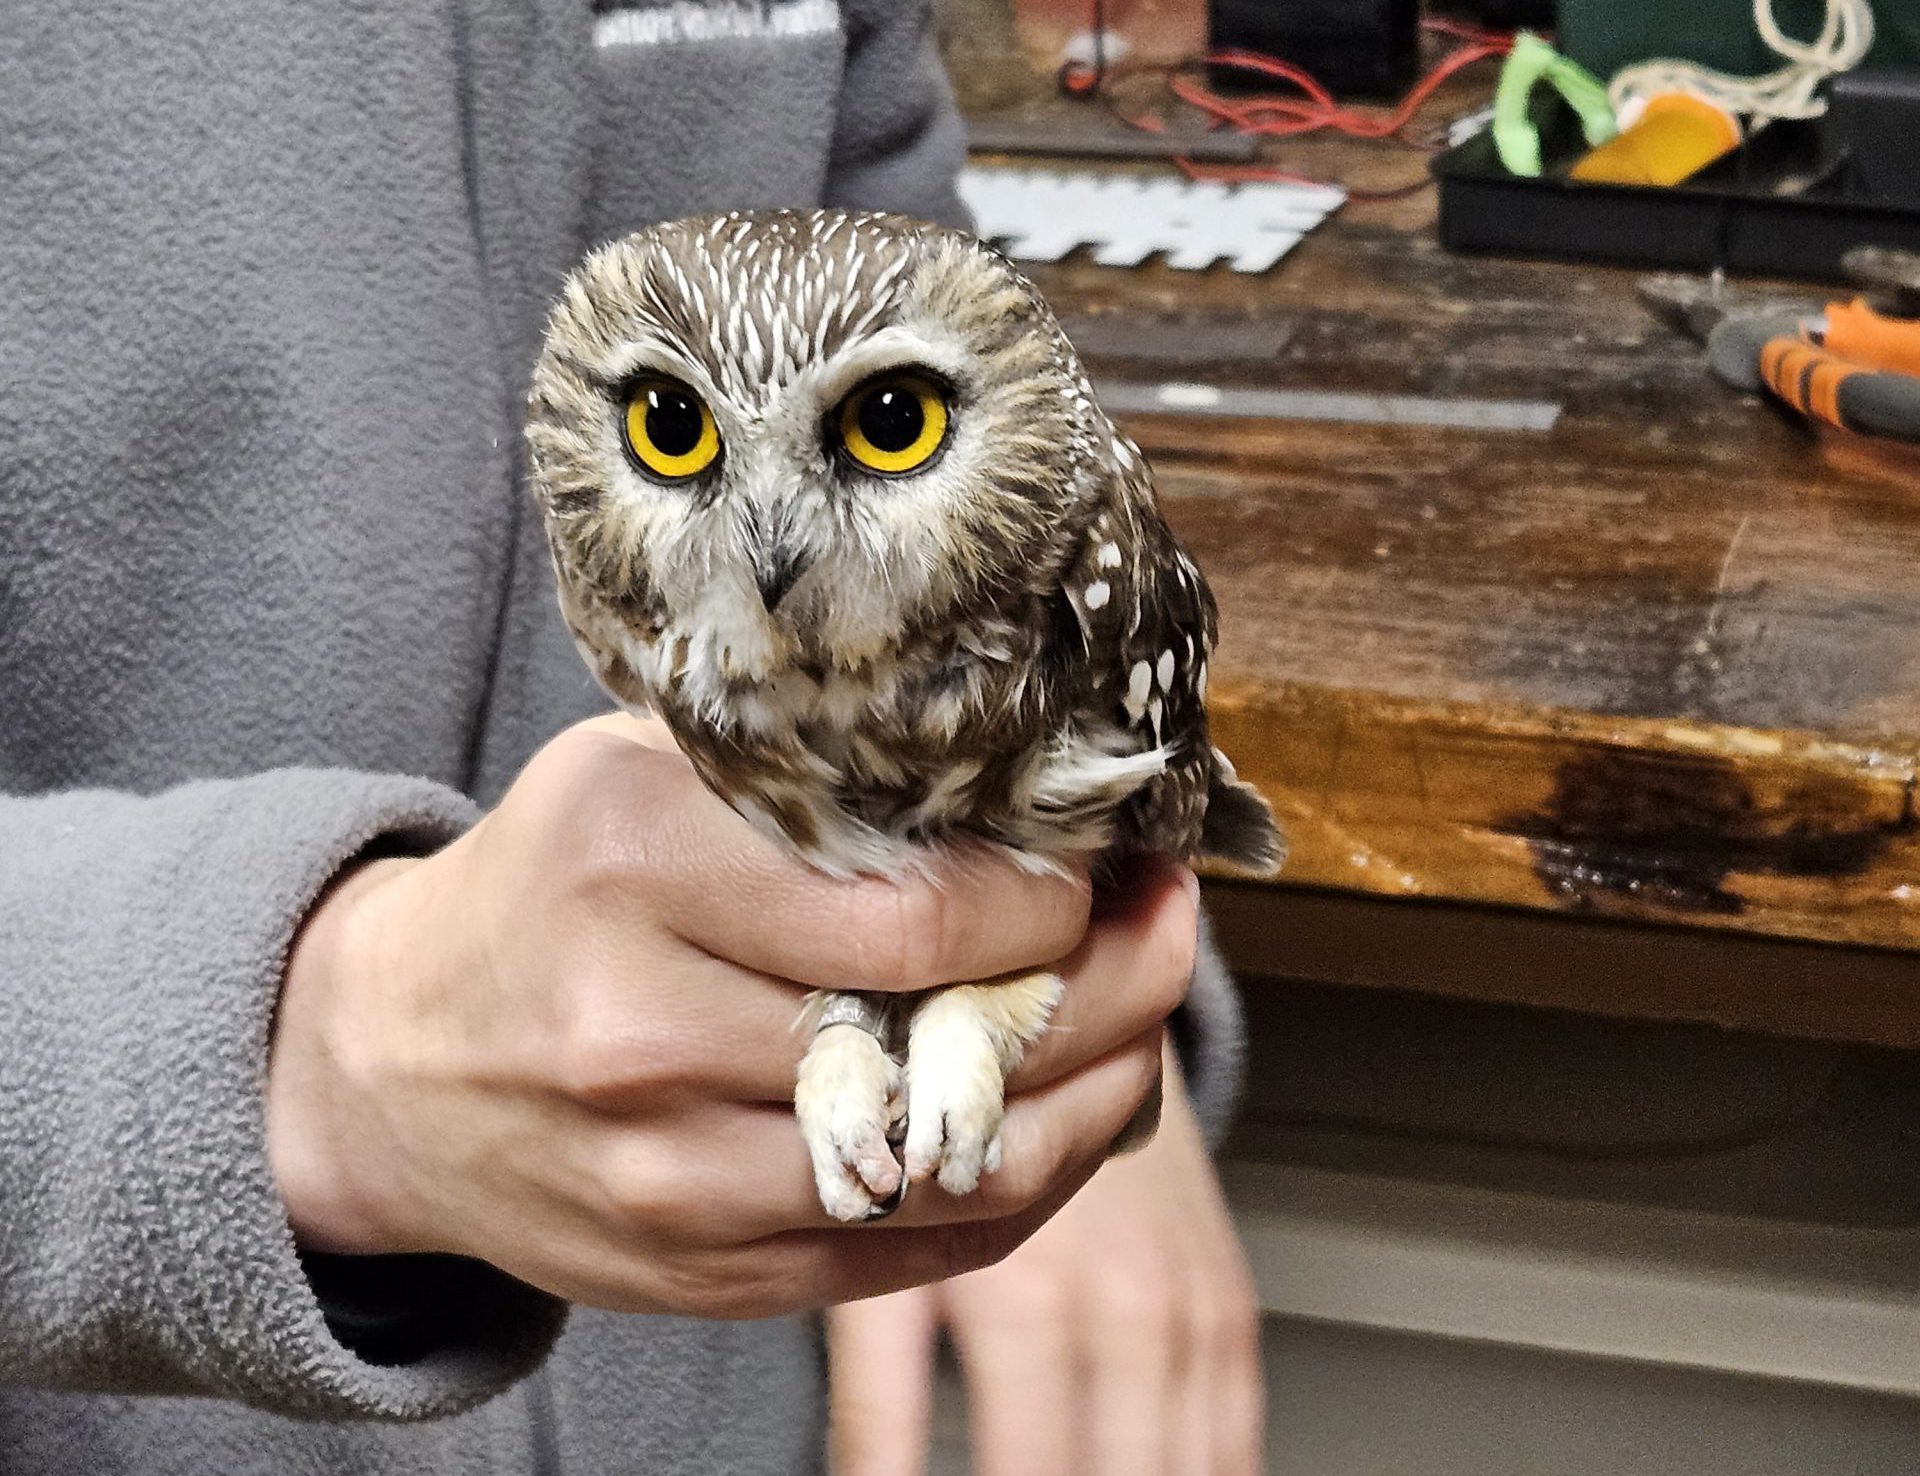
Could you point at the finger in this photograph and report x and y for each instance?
(1129, 973)
(1135, 1354)
(846, 1264)
(765, 1185)
(880, 1384)
(745, 896)
(648, 732)
(724, 1032)
(740, 1172)
(1196, 1445)
(1024, 1392)
(1236, 1412)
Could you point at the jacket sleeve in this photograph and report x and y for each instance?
(899, 140)
(1210, 1033)
(143, 1245)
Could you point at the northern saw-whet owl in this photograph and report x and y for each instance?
(830, 493)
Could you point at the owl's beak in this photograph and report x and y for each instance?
(776, 573)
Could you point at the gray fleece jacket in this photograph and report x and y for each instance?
(272, 273)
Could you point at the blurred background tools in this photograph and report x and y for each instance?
(1853, 364)
(1764, 136)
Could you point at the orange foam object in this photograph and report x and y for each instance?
(1676, 136)
(1855, 331)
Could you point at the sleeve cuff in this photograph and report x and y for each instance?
(321, 1337)
(1210, 1033)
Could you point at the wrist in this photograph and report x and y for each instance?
(317, 1066)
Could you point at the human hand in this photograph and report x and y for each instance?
(565, 1044)
(1121, 1340)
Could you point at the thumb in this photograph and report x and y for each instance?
(880, 1383)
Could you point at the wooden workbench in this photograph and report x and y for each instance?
(1657, 666)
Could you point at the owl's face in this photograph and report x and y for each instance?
(802, 437)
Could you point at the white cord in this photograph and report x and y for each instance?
(1844, 40)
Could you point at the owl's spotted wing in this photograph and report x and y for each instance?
(1145, 623)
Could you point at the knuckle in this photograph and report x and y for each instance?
(1035, 1304)
(634, 1201)
(610, 1054)
(699, 1286)
(1142, 1306)
(1225, 1320)
(1234, 1331)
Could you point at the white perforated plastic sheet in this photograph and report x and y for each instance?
(1042, 214)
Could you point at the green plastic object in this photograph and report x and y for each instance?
(1529, 63)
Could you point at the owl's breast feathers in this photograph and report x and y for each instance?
(1062, 720)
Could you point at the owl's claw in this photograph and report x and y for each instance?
(955, 1101)
(846, 1099)
(963, 1041)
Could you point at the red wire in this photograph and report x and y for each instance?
(1286, 117)
(1316, 110)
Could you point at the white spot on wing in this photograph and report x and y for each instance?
(1109, 556)
(1165, 670)
(1139, 684)
(1098, 593)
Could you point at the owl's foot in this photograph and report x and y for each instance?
(847, 1097)
(963, 1042)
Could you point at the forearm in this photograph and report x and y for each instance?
(141, 948)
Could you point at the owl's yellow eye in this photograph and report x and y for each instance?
(670, 430)
(894, 424)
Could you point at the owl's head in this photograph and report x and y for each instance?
(804, 437)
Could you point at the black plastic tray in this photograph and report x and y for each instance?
(1780, 205)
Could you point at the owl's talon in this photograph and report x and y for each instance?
(961, 1043)
(841, 1099)
(954, 1116)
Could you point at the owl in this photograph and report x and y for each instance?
(829, 493)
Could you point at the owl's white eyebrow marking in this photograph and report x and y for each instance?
(1165, 671)
(1109, 556)
(756, 351)
(1139, 683)
(1098, 593)
(887, 273)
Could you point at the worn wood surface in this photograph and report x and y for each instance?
(1661, 662)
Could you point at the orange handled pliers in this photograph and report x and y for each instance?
(1853, 364)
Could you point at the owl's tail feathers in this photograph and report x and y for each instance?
(1239, 825)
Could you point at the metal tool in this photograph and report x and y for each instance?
(1853, 364)
(1129, 397)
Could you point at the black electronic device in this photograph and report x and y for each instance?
(1354, 48)
(1501, 15)
(1872, 122)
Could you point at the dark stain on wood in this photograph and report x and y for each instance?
(1673, 832)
